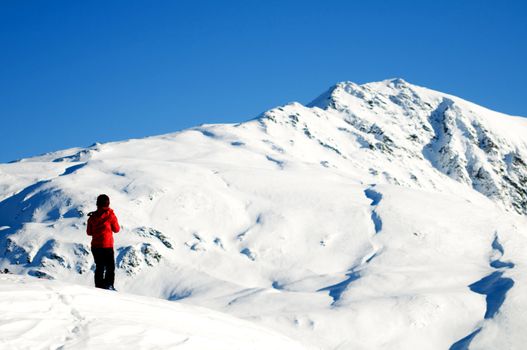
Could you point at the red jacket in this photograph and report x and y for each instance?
(101, 225)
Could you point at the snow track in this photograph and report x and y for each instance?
(40, 314)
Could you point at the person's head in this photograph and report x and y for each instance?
(103, 201)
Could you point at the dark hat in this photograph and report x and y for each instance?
(103, 201)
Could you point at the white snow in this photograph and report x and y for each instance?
(356, 222)
(42, 314)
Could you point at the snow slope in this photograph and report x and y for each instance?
(41, 314)
(380, 216)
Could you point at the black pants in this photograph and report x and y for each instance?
(104, 267)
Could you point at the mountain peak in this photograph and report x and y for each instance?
(398, 81)
(337, 95)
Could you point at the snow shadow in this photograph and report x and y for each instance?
(207, 133)
(21, 207)
(258, 221)
(46, 254)
(248, 253)
(280, 163)
(18, 209)
(498, 264)
(463, 344)
(375, 198)
(72, 169)
(373, 256)
(277, 285)
(180, 295)
(336, 290)
(495, 287)
(377, 222)
(11, 251)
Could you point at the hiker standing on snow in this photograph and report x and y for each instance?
(102, 223)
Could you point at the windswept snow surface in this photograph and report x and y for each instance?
(41, 314)
(372, 218)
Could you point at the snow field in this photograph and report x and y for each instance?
(41, 314)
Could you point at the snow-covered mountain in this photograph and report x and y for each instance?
(382, 215)
(477, 147)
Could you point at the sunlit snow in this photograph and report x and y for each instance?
(380, 216)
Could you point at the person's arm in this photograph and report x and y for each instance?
(115, 224)
(89, 228)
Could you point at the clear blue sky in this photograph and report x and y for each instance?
(76, 72)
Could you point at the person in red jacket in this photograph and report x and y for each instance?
(102, 224)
